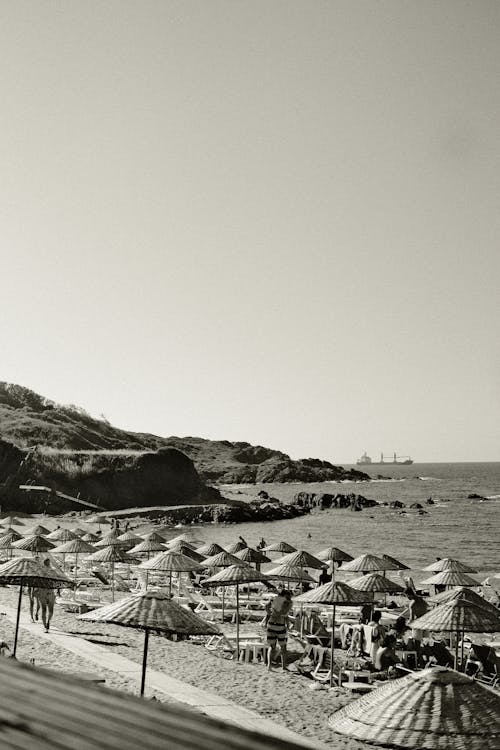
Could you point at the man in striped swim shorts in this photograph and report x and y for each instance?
(277, 630)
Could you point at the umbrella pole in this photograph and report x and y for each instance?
(456, 648)
(144, 660)
(237, 622)
(223, 589)
(332, 644)
(76, 567)
(19, 602)
(462, 650)
(170, 584)
(112, 581)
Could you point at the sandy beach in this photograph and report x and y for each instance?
(285, 698)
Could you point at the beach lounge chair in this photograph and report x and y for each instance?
(225, 645)
(321, 673)
(483, 664)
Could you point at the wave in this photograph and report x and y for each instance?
(492, 497)
(429, 479)
(379, 481)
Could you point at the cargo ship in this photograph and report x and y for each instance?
(365, 460)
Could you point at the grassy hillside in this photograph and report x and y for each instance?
(28, 419)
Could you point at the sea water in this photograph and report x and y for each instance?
(455, 526)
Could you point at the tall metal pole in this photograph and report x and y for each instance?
(144, 660)
(19, 602)
(332, 643)
(237, 622)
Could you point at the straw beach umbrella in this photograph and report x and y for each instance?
(209, 549)
(39, 530)
(448, 563)
(457, 616)
(364, 564)
(250, 555)
(301, 559)
(90, 537)
(290, 573)
(60, 535)
(36, 543)
(222, 560)
(179, 545)
(146, 547)
(451, 578)
(154, 536)
(29, 571)
(7, 540)
(110, 554)
(334, 555)
(73, 547)
(463, 593)
(334, 593)
(49, 710)
(236, 547)
(188, 551)
(376, 583)
(170, 562)
(393, 564)
(434, 709)
(234, 575)
(282, 547)
(12, 521)
(151, 611)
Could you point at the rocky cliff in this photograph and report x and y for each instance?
(63, 445)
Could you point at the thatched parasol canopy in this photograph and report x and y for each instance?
(236, 547)
(449, 563)
(221, 560)
(154, 611)
(463, 593)
(250, 555)
(29, 571)
(301, 559)
(49, 710)
(451, 578)
(147, 546)
(73, 547)
(170, 562)
(35, 543)
(209, 549)
(39, 530)
(335, 592)
(61, 535)
(282, 547)
(334, 554)
(459, 615)
(375, 582)
(434, 709)
(390, 563)
(364, 564)
(151, 611)
(290, 573)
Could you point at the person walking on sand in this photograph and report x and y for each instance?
(46, 598)
(277, 631)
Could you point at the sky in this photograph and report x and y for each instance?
(273, 221)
